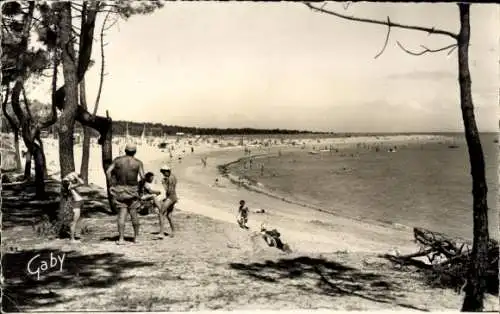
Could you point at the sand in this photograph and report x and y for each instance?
(306, 230)
(213, 264)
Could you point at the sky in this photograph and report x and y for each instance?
(280, 65)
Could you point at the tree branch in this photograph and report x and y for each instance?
(27, 103)
(427, 50)
(387, 23)
(101, 81)
(16, 92)
(53, 117)
(112, 23)
(75, 7)
(386, 38)
(100, 124)
(12, 123)
(77, 4)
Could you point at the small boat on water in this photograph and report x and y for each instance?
(313, 153)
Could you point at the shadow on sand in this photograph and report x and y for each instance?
(20, 208)
(23, 291)
(317, 275)
(115, 238)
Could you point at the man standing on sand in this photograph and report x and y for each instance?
(169, 183)
(124, 172)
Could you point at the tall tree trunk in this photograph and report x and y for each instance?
(35, 151)
(32, 139)
(27, 165)
(40, 169)
(16, 147)
(44, 159)
(84, 167)
(101, 124)
(107, 159)
(13, 126)
(68, 114)
(476, 283)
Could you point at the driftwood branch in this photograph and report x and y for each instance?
(425, 50)
(429, 30)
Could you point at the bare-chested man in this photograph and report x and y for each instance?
(125, 190)
(169, 183)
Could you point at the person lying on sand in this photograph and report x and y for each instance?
(150, 198)
(273, 239)
(69, 184)
(242, 218)
(123, 173)
(169, 183)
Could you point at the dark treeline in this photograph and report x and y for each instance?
(158, 129)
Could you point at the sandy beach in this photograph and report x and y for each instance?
(233, 268)
(312, 231)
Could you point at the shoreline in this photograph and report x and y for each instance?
(234, 179)
(314, 230)
(209, 242)
(382, 140)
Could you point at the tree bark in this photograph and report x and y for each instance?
(107, 159)
(40, 168)
(25, 125)
(32, 139)
(476, 283)
(68, 113)
(84, 167)
(27, 166)
(100, 124)
(30, 131)
(44, 160)
(16, 147)
(13, 126)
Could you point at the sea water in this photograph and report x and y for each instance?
(425, 185)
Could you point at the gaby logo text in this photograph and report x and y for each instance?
(38, 265)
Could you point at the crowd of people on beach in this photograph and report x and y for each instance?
(134, 197)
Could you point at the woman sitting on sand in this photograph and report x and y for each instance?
(149, 197)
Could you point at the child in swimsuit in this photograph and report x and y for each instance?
(242, 215)
(69, 183)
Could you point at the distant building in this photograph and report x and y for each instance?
(179, 134)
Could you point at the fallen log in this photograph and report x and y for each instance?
(452, 272)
